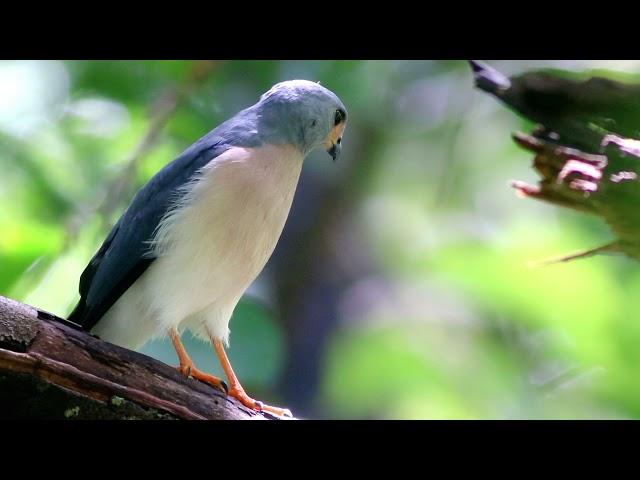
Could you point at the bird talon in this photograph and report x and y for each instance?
(185, 370)
(259, 405)
(190, 371)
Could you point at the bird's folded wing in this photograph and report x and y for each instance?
(125, 254)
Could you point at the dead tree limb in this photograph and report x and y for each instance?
(50, 370)
(586, 145)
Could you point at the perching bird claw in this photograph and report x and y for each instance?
(188, 368)
(239, 394)
(191, 371)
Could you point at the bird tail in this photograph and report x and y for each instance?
(70, 322)
(79, 312)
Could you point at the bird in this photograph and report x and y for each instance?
(199, 232)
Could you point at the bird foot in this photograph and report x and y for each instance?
(240, 395)
(189, 370)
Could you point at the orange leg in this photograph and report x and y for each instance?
(236, 389)
(188, 368)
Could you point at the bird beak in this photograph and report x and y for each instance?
(334, 150)
(334, 141)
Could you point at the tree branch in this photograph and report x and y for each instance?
(51, 369)
(584, 146)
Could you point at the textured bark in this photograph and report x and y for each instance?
(586, 145)
(51, 370)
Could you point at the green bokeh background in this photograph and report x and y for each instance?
(452, 315)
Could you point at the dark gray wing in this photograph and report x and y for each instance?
(124, 255)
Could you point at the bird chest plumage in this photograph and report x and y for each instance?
(229, 223)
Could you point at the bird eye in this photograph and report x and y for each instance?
(340, 116)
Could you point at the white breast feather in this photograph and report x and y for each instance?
(211, 247)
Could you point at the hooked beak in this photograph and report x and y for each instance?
(335, 149)
(333, 143)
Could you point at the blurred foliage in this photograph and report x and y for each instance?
(454, 319)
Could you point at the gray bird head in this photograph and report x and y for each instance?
(304, 114)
